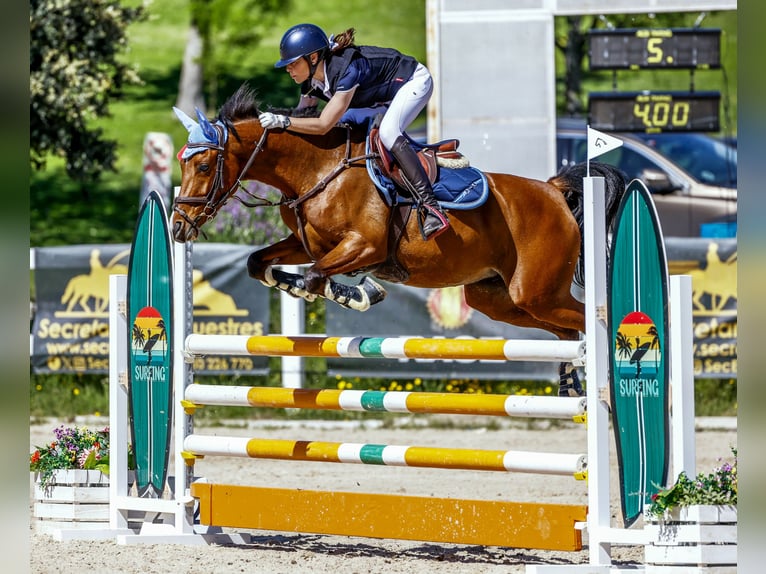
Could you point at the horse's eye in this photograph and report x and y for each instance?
(204, 167)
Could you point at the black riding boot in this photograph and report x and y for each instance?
(431, 217)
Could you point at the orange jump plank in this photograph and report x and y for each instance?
(483, 522)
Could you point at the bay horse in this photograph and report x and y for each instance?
(516, 255)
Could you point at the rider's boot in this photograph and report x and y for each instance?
(432, 218)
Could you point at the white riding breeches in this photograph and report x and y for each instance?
(406, 105)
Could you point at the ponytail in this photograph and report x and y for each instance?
(343, 40)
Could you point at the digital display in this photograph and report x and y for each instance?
(654, 112)
(637, 48)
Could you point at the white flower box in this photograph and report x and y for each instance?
(73, 499)
(692, 540)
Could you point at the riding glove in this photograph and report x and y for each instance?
(271, 121)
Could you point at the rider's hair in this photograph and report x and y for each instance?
(343, 40)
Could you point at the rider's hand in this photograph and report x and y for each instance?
(271, 121)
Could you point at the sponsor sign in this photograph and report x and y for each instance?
(70, 327)
(712, 265)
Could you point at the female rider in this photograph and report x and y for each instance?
(349, 76)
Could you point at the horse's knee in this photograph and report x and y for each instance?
(255, 265)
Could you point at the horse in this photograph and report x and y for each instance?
(516, 255)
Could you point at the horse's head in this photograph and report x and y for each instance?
(204, 187)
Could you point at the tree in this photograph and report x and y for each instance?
(74, 71)
(222, 33)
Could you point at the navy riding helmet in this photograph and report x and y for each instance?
(299, 41)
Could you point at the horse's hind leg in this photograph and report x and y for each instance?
(491, 297)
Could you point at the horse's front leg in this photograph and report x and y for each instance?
(347, 257)
(288, 251)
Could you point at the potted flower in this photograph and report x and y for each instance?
(71, 478)
(694, 522)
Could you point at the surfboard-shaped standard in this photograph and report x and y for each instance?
(150, 297)
(639, 359)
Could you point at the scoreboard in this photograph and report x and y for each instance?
(655, 111)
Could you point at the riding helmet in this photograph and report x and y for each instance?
(301, 40)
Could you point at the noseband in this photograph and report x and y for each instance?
(214, 199)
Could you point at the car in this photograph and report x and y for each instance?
(692, 176)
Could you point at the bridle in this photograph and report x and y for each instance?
(214, 199)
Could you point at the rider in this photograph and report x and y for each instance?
(349, 76)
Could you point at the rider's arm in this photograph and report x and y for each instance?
(329, 117)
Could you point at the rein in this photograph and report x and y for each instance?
(214, 200)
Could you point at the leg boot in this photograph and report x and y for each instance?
(431, 217)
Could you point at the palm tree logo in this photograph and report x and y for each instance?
(148, 334)
(635, 339)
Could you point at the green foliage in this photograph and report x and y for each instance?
(74, 72)
(229, 30)
(718, 487)
(715, 397)
(66, 396)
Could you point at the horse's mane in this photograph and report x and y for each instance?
(244, 105)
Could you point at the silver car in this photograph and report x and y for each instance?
(692, 176)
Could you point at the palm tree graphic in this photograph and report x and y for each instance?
(138, 336)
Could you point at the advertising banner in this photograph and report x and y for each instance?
(70, 328)
(712, 264)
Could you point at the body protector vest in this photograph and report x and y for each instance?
(380, 74)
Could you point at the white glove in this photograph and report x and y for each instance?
(271, 121)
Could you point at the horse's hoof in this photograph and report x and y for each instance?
(569, 381)
(374, 290)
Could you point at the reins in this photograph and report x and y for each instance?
(214, 200)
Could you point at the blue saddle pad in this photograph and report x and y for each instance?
(461, 188)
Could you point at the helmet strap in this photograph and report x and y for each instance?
(313, 67)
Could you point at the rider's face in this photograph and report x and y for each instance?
(299, 69)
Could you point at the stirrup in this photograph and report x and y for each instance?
(438, 222)
(569, 382)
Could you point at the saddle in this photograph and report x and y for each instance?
(430, 155)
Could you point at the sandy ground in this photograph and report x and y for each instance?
(273, 552)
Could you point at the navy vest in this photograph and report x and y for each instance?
(385, 70)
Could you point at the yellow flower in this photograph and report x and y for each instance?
(39, 387)
(75, 391)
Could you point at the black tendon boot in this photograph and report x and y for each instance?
(431, 217)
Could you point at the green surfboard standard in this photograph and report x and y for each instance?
(150, 305)
(637, 293)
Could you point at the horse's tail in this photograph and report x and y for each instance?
(570, 181)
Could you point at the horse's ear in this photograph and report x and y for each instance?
(185, 119)
(207, 127)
